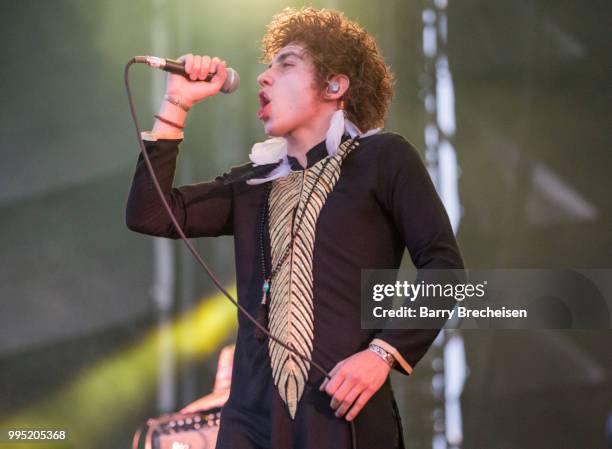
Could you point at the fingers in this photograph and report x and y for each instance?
(214, 65)
(361, 401)
(332, 377)
(341, 393)
(221, 76)
(188, 59)
(349, 393)
(222, 70)
(203, 67)
(197, 66)
(349, 399)
(344, 397)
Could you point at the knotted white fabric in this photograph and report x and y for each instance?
(272, 150)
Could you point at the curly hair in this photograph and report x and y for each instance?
(337, 45)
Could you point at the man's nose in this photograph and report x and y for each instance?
(264, 79)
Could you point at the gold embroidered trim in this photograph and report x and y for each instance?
(291, 305)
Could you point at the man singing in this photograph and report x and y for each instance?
(325, 197)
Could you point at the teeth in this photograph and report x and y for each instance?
(263, 99)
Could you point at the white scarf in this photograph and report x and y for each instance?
(275, 149)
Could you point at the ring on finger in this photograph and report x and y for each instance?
(210, 76)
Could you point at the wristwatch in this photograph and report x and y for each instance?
(382, 353)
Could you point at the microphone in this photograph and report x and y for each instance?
(231, 84)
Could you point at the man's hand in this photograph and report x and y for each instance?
(190, 91)
(354, 381)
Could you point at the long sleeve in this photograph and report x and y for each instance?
(203, 209)
(408, 195)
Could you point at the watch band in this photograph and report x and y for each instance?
(382, 353)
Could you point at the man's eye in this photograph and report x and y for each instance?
(286, 64)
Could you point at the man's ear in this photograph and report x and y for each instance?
(337, 85)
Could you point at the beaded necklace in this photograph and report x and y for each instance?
(263, 315)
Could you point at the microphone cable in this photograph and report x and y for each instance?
(195, 253)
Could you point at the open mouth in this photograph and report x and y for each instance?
(264, 101)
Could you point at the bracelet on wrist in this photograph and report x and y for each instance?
(168, 122)
(383, 354)
(176, 102)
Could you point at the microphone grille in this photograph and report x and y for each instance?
(232, 82)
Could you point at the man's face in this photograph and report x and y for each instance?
(288, 99)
